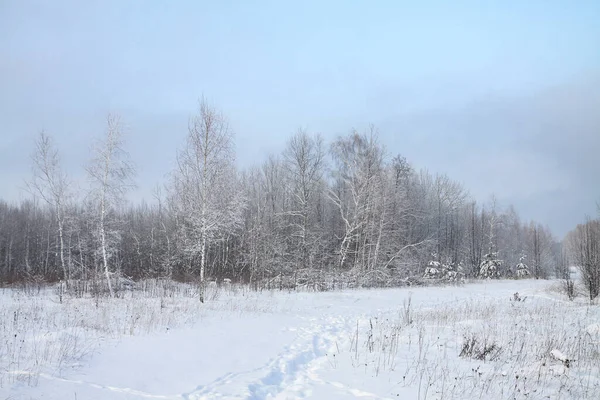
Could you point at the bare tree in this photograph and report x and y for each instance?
(494, 221)
(263, 249)
(564, 273)
(584, 246)
(304, 161)
(51, 184)
(476, 237)
(449, 197)
(110, 173)
(204, 184)
(356, 194)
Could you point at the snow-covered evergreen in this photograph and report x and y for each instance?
(490, 266)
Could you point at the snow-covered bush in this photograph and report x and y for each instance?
(522, 268)
(453, 272)
(433, 270)
(445, 271)
(490, 266)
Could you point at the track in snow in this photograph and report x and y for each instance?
(292, 374)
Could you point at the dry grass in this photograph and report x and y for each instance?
(47, 331)
(484, 348)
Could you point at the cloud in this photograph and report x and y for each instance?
(538, 152)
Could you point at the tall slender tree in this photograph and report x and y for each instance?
(204, 185)
(110, 173)
(356, 194)
(51, 184)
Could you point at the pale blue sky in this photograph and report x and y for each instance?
(503, 96)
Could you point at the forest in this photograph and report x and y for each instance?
(318, 214)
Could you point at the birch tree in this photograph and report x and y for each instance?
(204, 184)
(50, 183)
(359, 161)
(110, 173)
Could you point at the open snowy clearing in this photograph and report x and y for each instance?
(468, 342)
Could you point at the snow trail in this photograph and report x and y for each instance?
(289, 375)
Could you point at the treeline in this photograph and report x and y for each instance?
(316, 209)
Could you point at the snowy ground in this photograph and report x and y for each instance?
(469, 342)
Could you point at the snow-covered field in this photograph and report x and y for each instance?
(457, 342)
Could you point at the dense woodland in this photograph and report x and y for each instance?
(347, 210)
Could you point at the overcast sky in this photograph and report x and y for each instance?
(503, 96)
